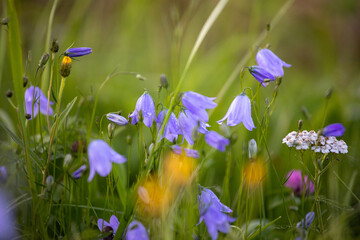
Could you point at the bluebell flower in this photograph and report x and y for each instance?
(212, 211)
(117, 119)
(197, 104)
(101, 156)
(110, 226)
(190, 124)
(77, 52)
(172, 128)
(305, 223)
(216, 140)
(188, 151)
(333, 130)
(261, 75)
(239, 111)
(78, 173)
(136, 231)
(145, 105)
(267, 60)
(35, 100)
(3, 174)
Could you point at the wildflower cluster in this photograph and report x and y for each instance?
(311, 140)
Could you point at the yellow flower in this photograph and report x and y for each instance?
(178, 169)
(65, 66)
(254, 173)
(153, 198)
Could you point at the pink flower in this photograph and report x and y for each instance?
(298, 183)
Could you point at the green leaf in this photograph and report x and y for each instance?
(18, 141)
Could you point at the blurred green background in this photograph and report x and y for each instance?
(320, 39)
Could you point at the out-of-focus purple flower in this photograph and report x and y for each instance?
(261, 75)
(216, 140)
(305, 223)
(333, 130)
(78, 173)
(295, 182)
(136, 231)
(197, 104)
(145, 105)
(101, 156)
(188, 123)
(117, 119)
(212, 211)
(106, 227)
(77, 52)
(34, 96)
(7, 221)
(239, 111)
(189, 152)
(172, 128)
(267, 60)
(3, 174)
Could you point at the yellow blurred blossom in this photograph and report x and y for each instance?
(254, 173)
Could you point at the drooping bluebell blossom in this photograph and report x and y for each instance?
(106, 227)
(197, 104)
(239, 111)
(145, 105)
(267, 60)
(78, 52)
(7, 220)
(78, 173)
(3, 174)
(136, 231)
(188, 151)
(117, 119)
(333, 130)
(216, 140)
(305, 223)
(172, 128)
(212, 211)
(261, 75)
(35, 100)
(101, 156)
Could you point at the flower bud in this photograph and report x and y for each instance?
(138, 76)
(111, 129)
(151, 147)
(9, 93)
(49, 182)
(65, 66)
(54, 47)
(252, 148)
(25, 81)
(67, 160)
(328, 93)
(28, 116)
(43, 60)
(300, 124)
(4, 21)
(163, 81)
(128, 139)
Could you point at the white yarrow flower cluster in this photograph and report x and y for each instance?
(311, 140)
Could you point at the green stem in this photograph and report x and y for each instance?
(53, 133)
(45, 75)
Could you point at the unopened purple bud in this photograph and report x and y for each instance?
(305, 223)
(261, 75)
(78, 52)
(333, 130)
(78, 173)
